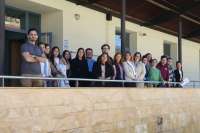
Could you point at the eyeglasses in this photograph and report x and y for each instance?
(89, 52)
(105, 48)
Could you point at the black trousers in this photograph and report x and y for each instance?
(130, 84)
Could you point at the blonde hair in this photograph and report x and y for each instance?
(131, 59)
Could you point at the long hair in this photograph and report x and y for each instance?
(50, 52)
(52, 56)
(64, 52)
(83, 58)
(130, 55)
(136, 54)
(108, 59)
(181, 65)
(151, 57)
(121, 60)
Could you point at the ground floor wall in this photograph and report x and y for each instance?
(105, 110)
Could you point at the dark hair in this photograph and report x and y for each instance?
(136, 54)
(31, 29)
(151, 57)
(121, 61)
(169, 58)
(41, 43)
(155, 60)
(105, 45)
(83, 58)
(144, 57)
(181, 65)
(88, 49)
(163, 57)
(108, 59)
(52, 55)
(69, 60)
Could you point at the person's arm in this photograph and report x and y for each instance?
(141, 76)
(126, 71)
(43, 58)
(54, 69)
(114, 70)
(95, 71)
(65, 63)
(28, 57)
(73, 68)
(168, 75)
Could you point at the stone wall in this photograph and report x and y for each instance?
(105, 110)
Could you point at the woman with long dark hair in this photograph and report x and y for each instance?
(149, 60)
(119, 75)
(102, 69)
(139, 68)
(58, 66)
(67, 56)
(47, 50)
(79, 67)
(178, 74)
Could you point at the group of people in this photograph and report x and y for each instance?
(40, 61)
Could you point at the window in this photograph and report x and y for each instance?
(118, 42)
(34, 21)
(167, 49)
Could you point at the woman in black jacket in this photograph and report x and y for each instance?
(102, 69)
(178, 74)
(79, 67)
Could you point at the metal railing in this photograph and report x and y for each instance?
(81, 79)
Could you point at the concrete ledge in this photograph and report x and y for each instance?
(107, 110)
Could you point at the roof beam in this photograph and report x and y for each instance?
(86, 2)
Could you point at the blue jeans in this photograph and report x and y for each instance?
(162, 86)
(49, 84)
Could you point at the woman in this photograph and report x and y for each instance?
(79, 67)
(139, 68)
(119, 69)
(102, 69)
(47, 51)
(144, 61)
(59, 66)
(155, 74)
(149, 60)
(178, 74)
(129, 70)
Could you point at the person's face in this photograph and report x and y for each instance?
(67, 55)
(144, 61)
(154, 63)
(80, 53)
(164, 61)
(118, 57)
(128, 57)
(89, 54)
(137, 57)
(104, 58)
(32, 36)
(179, 65)
(47, 50)
(149, 57)
(106, 49)
(169, 62)
(56, 52)
(42, 46)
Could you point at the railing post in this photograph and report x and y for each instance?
(76, 83)
(122, 84)
(193, 84)
(2, 82)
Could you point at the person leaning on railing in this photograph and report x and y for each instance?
(119, 75)
(155, 75)
(178, 74)
(129, 70)
(103, 69)
(59, 66)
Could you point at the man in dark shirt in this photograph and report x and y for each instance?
(32, 55)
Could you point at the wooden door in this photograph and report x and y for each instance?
(16, 61)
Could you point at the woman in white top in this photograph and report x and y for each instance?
(129, 70)
(139, 68)
(178, 74)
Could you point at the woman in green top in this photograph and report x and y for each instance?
(155, 74)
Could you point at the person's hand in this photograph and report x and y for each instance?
(113, 78)
(135, 79)
(182, 81)
(169, 85)
(108, 78)
(101, 78)
(164, 82)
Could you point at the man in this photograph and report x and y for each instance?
(45, 67)
(162, 66)
(90, 61)
(106, 49)
(32, 55)
(171, 72)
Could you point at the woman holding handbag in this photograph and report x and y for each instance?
(79, 67)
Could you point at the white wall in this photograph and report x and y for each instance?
(92, 30)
